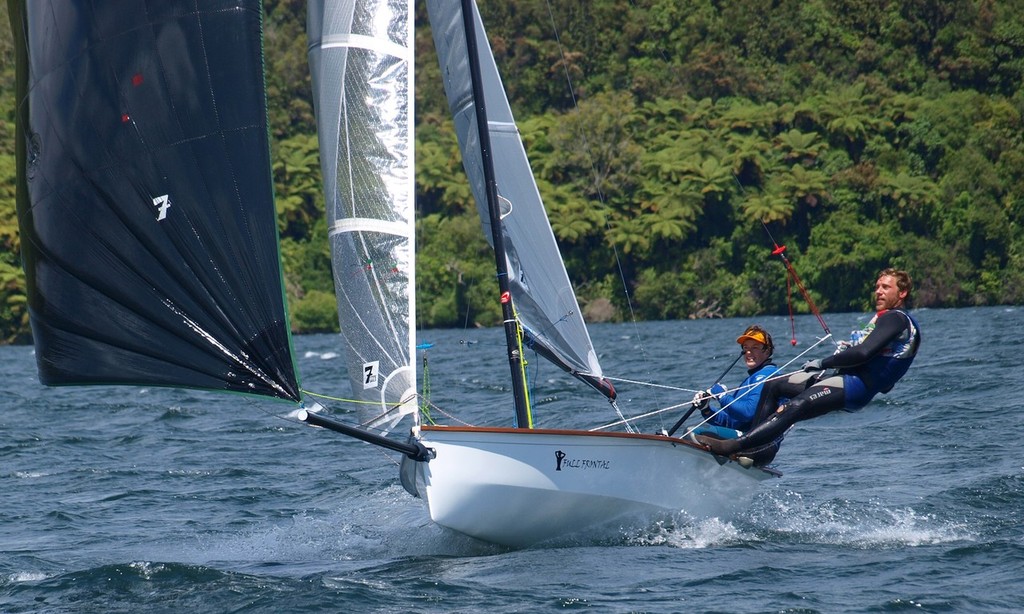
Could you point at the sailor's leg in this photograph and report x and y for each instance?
(819, 399)
(774, 390)
(762, 455)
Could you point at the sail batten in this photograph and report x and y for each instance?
(367, 224)
(356, 41)
(496, 126)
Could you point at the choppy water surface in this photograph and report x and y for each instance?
(129, 500)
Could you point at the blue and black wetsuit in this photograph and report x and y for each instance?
(879, 360)
(740, 412)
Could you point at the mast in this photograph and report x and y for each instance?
(515, 359)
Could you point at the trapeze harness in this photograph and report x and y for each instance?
(879, 373)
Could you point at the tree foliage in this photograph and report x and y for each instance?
(666, 135)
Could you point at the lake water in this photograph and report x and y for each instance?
(158, 500)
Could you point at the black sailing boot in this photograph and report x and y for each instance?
(764, 433)
(721, 447)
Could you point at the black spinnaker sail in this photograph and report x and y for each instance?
(145, 196)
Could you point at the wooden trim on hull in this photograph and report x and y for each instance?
(577, 433)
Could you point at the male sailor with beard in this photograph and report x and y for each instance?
(874, 360)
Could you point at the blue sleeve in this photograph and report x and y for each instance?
(739, 407)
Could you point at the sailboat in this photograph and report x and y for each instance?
(151, 253)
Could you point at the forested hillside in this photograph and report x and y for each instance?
(668, 135)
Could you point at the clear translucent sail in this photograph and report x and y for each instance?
(543, 295)
(360, 56)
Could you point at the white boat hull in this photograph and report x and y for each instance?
(519, 487)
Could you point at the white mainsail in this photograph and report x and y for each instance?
(360, 56)
(544, 298)
(361, 64)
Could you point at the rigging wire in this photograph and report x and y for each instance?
(780, 374)
(601, 198)
(791, 275)
(750, 387)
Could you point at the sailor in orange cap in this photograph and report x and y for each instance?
(738, 406)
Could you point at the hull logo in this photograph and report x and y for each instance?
(562, 461)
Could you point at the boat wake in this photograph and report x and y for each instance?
(860, 524)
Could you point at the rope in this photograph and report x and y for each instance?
(780, 251)
(425, 395)
(640, 417)
(648, 384)
(522, 367)
(344, 400)
(426, 405)
(388, 407)
(781, 374)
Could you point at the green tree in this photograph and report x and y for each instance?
(297, 184)
(455, 282)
